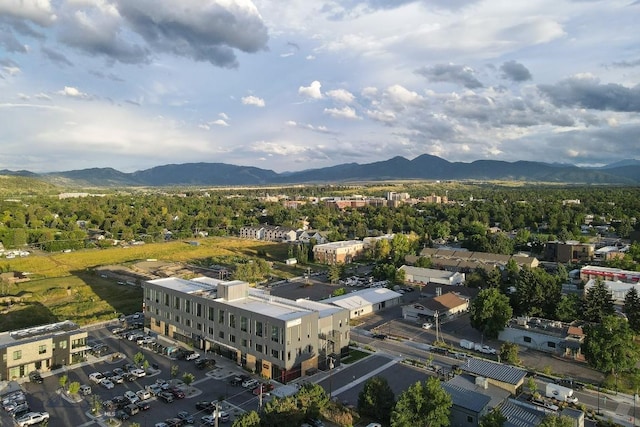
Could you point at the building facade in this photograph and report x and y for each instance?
(276, 337)
(343, 252)
(41, 348)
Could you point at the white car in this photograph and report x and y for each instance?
(193, 356)
(139, 373)
(107, 383)
(32, 418)
(250, 383)
(96, 377)
(143, 394)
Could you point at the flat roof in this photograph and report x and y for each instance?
(271, 307)
(430, 272)
(324, 310)
(495, 371)
(187, 286)
(362, 298)
(43, 331)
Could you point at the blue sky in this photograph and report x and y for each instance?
(296, 84)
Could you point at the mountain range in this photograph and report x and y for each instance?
(424, 167)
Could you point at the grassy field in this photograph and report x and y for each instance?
(65, 285)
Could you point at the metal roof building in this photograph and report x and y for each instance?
(506, 377)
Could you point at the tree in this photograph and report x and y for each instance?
(424, 404)
(312, 399)
(74, 387)
(376, 400)
(509, 353)
(609, 346)
(489, 312)
(138, 358)
(333, 274)
(247, 419)
(188, 378)
(424, 262)
(632, 309)
(598, 303)
(493, 419)
(552, 420)
(175, 369)
(63, 381)
(282, 412)
(96, 404)
(532, 386)
(568, 308)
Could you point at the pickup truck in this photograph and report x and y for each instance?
(32, 418)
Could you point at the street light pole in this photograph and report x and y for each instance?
(330, 376)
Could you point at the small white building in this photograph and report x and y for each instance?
(419, 275)
(618, 289)
(366, 301)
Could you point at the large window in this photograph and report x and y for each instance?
(187, 306)
(259, 348)
(176, 303)
(259, 329)
(221, 316)
(198, 309)
(232, 320)
(275, 334)
(244, 324)
(17, 355)
(210, 316)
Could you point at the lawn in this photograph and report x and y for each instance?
(65, 286)
(354, 356)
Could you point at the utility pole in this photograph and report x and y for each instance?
(330, 376)
(216, 412)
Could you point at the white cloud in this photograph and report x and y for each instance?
(341, 95)
(253, 100)
(220, 122)
(401, 96)
(382, 116)
(72, 92)
(37, 11)
(223, 116)
(312, 91)
(342, 113)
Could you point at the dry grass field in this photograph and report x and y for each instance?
(67, 286)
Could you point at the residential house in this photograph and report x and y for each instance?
(442, 307)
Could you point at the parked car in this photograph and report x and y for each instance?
(35, 377)
(132, 409)
(131, 396)
(96, 377)
(249, 383)
(177, 392)
(85, 390)
(143, 394)
(238, 379)
(144, 405)
(117, 379)
(118, 371)
(263, 388)
(31, 418)
(186, 417)
(379, 336)
(138, 373)
(205, 405)
(205, 363)
(106, 383)
(192, 356)
(174, 422)
(122, 415)
(166, 397)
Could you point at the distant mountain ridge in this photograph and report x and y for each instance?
(422, 167)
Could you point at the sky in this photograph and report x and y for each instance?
(289, 85)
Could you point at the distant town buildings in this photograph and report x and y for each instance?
(569, 251)
(589, 272)
(343, 252)
(467, 261)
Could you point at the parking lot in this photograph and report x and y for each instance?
(210, 384)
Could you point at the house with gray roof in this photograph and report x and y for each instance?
(504, 376)
(467, 407)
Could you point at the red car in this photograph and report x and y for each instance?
(263, 388)
(177, 393)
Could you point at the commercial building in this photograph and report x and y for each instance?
(422, 276)
(41, 348)
(550, 336)
(343, 252)
(569, 251)
(366, 301)
(589, 272)
(467, 261)
(276, 337)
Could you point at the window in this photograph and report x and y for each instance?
(187, 306)
(232, 338)
(232, 320)
(17, 355)
(259, 348)
(176, 303)
(221, 316)
(198, 309)
(275, 353)
(243, 342)
(210, 317)
(166, 300)
(551, 344)
(275, 334)
(469, 419)
(289, 355)
(157, 323)
(199, 326)
(177, 319)
(221, 335)
(527, 339)
(62, 344)
(42, 349)
(259, 329)
(244, 324)
(188, 322)
(210, 330)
